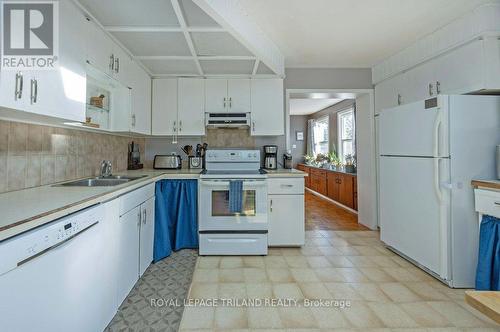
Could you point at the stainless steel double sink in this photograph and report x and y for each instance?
(101, 181)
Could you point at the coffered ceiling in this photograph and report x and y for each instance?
(175, 38)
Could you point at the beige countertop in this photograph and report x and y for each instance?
(26, 209)
(486, 184)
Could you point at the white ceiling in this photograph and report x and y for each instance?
(174, 37)
(306, 106)
(349, 33)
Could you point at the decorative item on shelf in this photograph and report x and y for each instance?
(350, 164)
(97, 101)
(88, 123)
(134, 156)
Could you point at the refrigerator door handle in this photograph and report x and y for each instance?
(437, 182)
(437, 125)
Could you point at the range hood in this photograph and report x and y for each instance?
(227, 120)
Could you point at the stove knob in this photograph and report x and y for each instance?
(255, 155)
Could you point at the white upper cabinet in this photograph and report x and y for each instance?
(164, 107)
(140, 100)
(99, 48)
(238, 92)
(267, 107)
(465, 69)
(58, 93)
(191, 110)
(216, 95)
(231, 96)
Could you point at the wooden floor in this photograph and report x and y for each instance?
(324, 215)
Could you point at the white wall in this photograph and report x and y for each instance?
(366, 161)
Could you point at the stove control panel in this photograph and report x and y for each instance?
(235, 156)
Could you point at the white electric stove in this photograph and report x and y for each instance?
(222, 232)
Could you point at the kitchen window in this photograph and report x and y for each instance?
(320, 135)
(346, 130)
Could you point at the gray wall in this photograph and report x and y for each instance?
(332, 114)
(328, 78)
(298, 123)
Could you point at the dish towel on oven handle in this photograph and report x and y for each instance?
(235, 196)
(488, 263)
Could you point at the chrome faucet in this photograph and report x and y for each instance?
(106, 168)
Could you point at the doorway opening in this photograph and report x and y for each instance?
(331, 136)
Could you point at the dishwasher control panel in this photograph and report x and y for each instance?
(20, 249)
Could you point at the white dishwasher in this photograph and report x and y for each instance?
(50, 277)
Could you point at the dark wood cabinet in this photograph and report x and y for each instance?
(307, 179)
(339, 186)
(333, 186)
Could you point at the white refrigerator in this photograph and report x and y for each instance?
(429, 153)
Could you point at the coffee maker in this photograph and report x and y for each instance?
(270, 156)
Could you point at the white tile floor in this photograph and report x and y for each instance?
(386, 292)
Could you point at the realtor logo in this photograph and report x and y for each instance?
(29, 35)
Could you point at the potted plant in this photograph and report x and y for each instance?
(309, 158)
(321, 159)
(350, 164)
(334, 160)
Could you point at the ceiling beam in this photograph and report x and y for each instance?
(230, 15)
(160, 28)
(215, 75)
(187, 35)
(199, 57)
(255, 66)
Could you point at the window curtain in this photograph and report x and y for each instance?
(488, 265)
(310, 137)
(176, 219)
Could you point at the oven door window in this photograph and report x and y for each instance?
(220, 204)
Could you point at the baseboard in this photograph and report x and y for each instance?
(331, 200)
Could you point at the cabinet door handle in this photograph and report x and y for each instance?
(19, 86)
(139, 218)
(253, 126)
(271, 205)
(224, 102)
(180, 125)
(117, 65)
(145, 216)
(112, 62)
(175, 128)
(230, 102)
(431, 87)
(438, 87)
(133, 120)
(497, 203)
(399, 99)
(34, 91)
(287, 185)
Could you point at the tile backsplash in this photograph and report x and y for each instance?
(33, 155)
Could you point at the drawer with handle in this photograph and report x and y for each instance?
(286, 186)
(487, 202)
(318, 172)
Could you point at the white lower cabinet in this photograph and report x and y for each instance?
(135, 235)
(147, 232)
(128, 252)
(286, 212)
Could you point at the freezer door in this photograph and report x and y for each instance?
(413, 218)
(415, 130)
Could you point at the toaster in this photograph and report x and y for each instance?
(172, 161)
